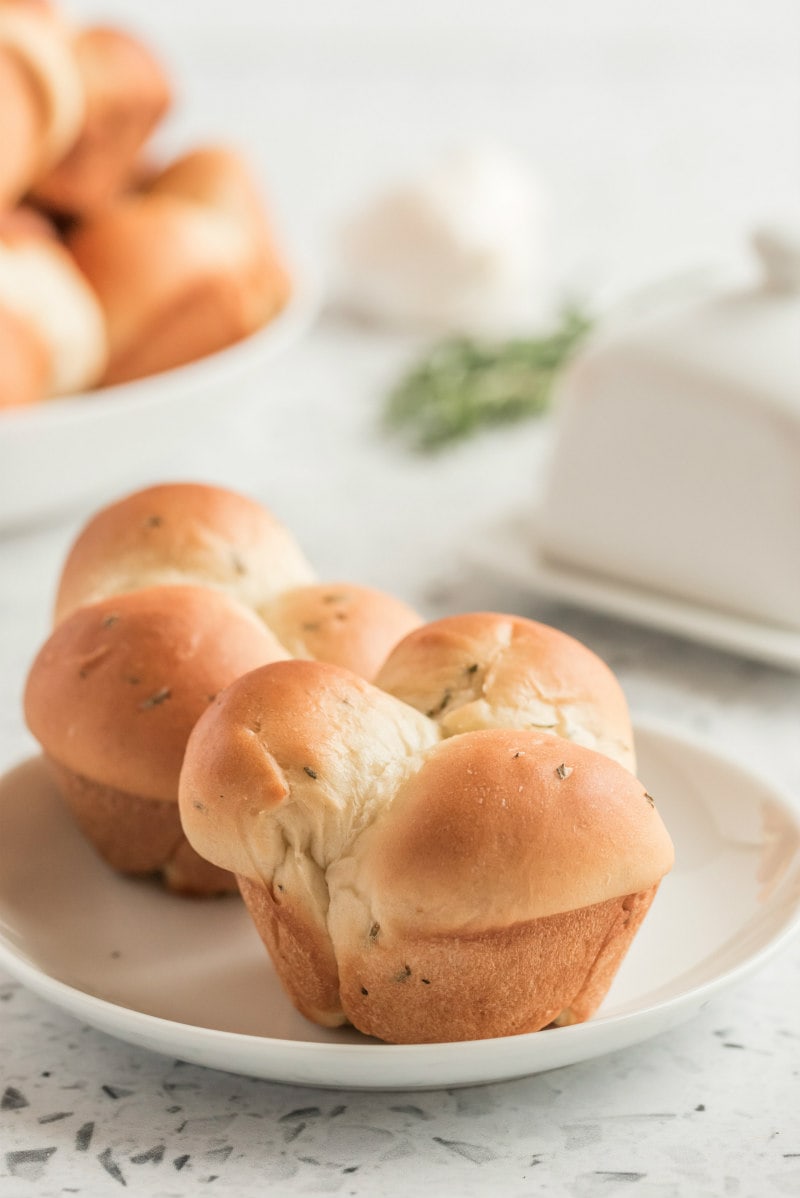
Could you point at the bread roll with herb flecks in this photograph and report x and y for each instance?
(420, 885)
(41, 284)
(194, 533)
(112, 697)
(486, 670)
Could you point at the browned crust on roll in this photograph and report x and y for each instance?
(127, 93)
(504, 826)
(604, 968)
(519, 979)
(116, 690)
(337, 622)
(137, 835)
(188, 533)
(510, 868)
(300, 950)
(485, 670)
(554, 970)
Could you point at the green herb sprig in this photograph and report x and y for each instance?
(464, 384)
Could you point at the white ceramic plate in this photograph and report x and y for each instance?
(190, 979)
(511, 551)
(60, 453)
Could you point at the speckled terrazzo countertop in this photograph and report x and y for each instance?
(707, 1110)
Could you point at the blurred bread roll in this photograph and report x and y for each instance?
(112, 697)
(126, 94)
(42, 98)
(41, 285)
(24, 361)
(184, 268)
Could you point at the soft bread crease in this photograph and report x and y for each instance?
(303, 806)
(485, 670)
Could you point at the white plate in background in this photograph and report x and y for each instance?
(190, 979)
(57, 454)
(510, 550)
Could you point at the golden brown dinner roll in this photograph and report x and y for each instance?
(178, 273)
(484, 670)
(41, 95)
(126, 94)
(188, 532)
(41, 284)
(423, 889)
(112, 698)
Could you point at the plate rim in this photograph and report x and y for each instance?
(666, 1012)
(705, 625)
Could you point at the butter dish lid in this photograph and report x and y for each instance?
(745, 337)
(675, 467)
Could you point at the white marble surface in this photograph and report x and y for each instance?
(659, 132)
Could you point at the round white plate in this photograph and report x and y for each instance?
(511, 550)
(190, 978)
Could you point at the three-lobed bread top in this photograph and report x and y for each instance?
(204, 535)
(478, 830)
(485, 670)
(115, 691)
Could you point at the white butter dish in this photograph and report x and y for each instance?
(676, 466)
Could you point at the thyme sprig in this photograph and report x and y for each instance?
(464, 384)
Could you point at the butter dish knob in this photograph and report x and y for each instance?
(778, 248)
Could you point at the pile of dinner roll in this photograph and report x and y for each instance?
(436, 828)
(113, 268)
